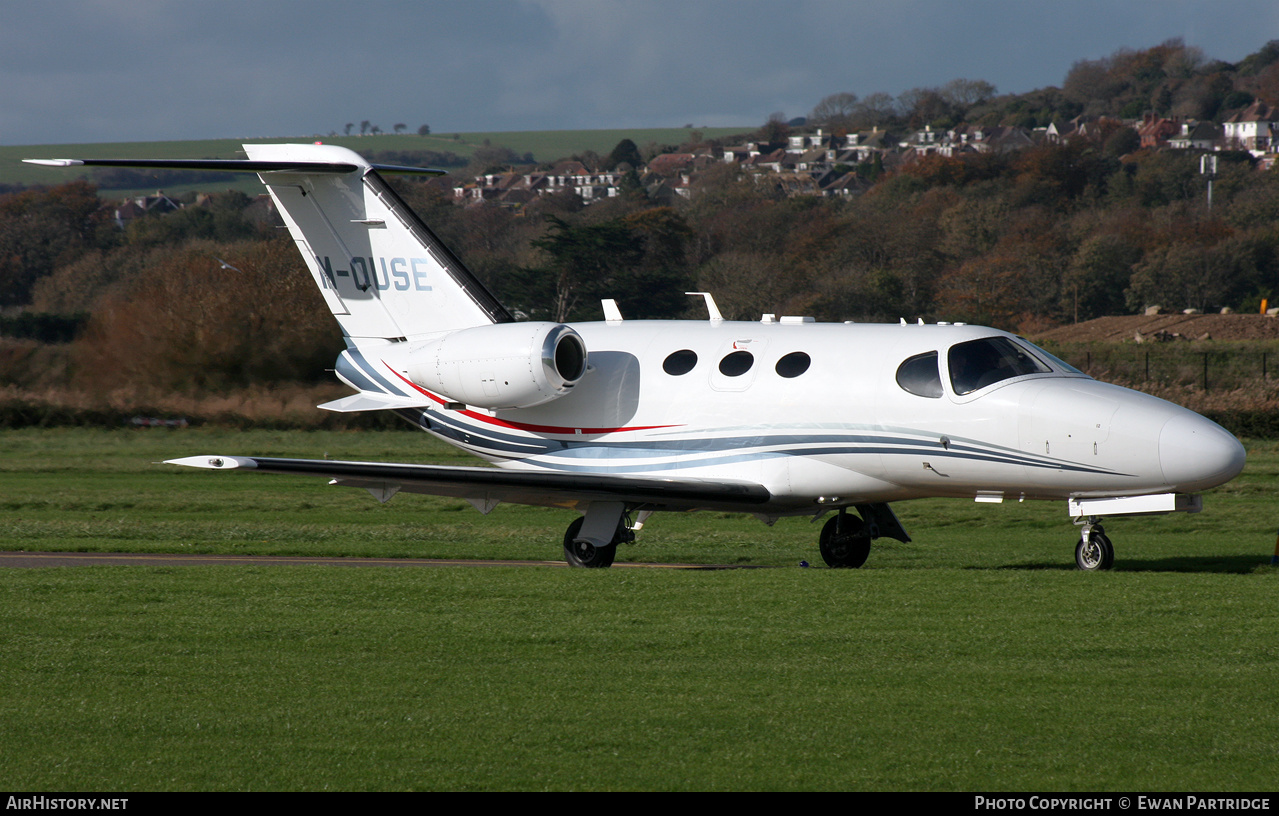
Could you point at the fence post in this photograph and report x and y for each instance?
(1205, 371)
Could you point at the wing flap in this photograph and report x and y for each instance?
(551, 489)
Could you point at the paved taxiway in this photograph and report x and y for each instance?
(76, 559)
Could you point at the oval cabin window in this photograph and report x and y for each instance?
(793, 364)
(736, 364)
(680, 362)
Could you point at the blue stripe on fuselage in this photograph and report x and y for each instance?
(682, 453)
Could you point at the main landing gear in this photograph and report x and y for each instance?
(1094, 550)
(845, 541)
(606, 525)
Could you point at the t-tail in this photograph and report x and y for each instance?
(383, 273)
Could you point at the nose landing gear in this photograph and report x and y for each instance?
(1094, 550)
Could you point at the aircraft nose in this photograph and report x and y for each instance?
(1197, 453)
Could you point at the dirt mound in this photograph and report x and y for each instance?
(1152, 328)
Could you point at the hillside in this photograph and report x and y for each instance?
(1124, 328)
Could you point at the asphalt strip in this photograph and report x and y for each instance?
(30, 560)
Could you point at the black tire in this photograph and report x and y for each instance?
(1097, 553)
(846, 545)
(1108, 560)
(585, 554)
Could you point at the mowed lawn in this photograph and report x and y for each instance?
(973, 658)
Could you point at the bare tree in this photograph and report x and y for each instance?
(965, 93)
(835, 111)
(877, 109)
(775, 130)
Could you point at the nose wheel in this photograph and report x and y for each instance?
(1094, 550)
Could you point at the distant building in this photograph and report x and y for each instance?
(1193, 135)
(132, 208)
(1155, 131)
(1253, 129)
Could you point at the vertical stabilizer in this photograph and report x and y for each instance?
(383, 273)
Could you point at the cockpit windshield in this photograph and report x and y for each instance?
(978, 363)
(1056, 362)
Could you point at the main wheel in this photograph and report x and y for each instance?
(845, 543)
(1097, 553)
(584, 553)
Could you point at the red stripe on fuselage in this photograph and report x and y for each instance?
(524, 426)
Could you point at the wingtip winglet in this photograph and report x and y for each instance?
(55, 162)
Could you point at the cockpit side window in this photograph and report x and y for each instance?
(979, 363)
(919, 375)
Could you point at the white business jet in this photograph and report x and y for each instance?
(783, 417)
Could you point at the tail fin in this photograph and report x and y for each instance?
(382, 272)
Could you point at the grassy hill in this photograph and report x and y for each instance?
(545, 146)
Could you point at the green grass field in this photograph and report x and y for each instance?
(974, 658)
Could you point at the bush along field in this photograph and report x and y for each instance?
(975, 657)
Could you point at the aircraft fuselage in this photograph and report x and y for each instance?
(817, 412)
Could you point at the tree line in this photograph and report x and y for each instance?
(1171, 80)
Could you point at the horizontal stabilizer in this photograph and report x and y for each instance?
(238, 165)
(550, 489)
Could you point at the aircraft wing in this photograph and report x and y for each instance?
(486, 487)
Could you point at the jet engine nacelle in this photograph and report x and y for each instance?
(504, 365)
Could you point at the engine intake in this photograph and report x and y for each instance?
(506, 365)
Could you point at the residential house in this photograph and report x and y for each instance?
(1155, 131)
(1254, 128)
(924, 142)
(866, 144)
(1192, 135)
(139, 206)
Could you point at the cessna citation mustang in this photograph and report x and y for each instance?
(621, 418)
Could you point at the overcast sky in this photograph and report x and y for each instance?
(141, 70)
